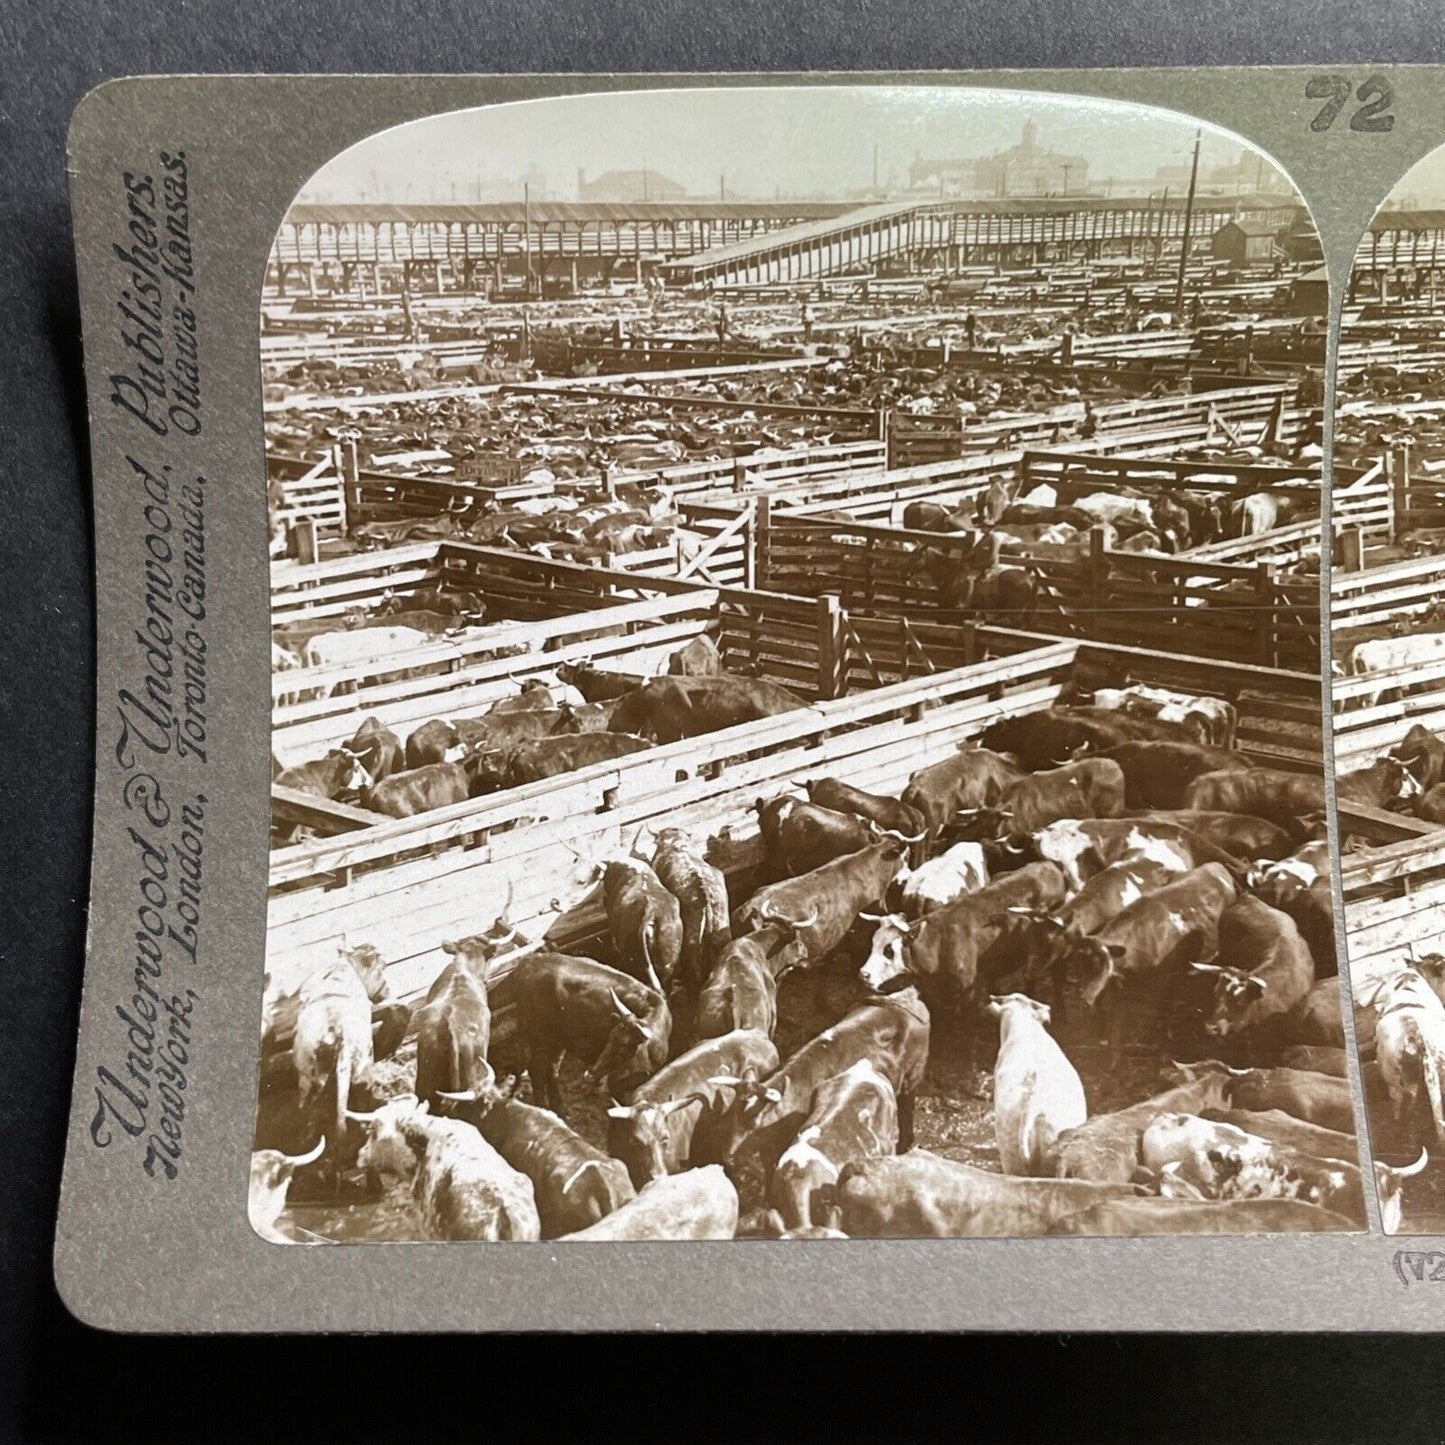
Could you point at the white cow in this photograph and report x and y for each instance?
(695, 1204)
(1107, 507)
(1215, 715)
(1385, 654)
(1221, 1161)
(271, 1173)
(463, 1187)
(361, 644)
(943, 880)
(1037, 1093)
(1410, 1045)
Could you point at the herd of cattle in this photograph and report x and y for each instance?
(1102, 900)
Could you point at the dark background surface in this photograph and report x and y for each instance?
(65, 1381)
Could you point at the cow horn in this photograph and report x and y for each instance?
(673, 1105)
(468, 1096)
(620, 1006)
(298, 1161)
(1207, 967)
(1410, 1169)
(725, 1081)
(908, 838)
(801, 923)
(359, 1118)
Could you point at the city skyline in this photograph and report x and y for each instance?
(752, 142)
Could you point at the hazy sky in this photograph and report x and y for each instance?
(798, 139)
(1423, 185)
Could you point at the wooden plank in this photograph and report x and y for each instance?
(324, 815)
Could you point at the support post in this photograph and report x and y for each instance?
(349, 470)
(1265, 585)
(750, 547)
(832, 646)
(762, 524)
(303, 540)
(1401, 487)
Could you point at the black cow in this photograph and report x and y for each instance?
(667, 709)
(1157, 773)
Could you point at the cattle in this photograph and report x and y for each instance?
(947, 952)
(696, 1204)
(1410, 1049)
(534, 696)
(1394, 654)
(271, 1173)
(332, 1042)
(1083, 847)
(656, 1130)
(1132, 1217)
(1219, 1160)
(559, 1003)
(765, 1116)
(958, 871)
(1424, 754)
(973, 778)
(1381, 784)
(1102, 898)
(422, 790)
(1236, 833)
(1271, 793)
(1137, 955)
(1105, 1148)
(799, 837)
(1157, 774)
(453, 1033)
(378, 749)
(1212, 718)
(667, 709)
(1257, 513)
(698, 658)
(740, 990)
(823, 905)
(1093, 788)
(1051, 736)
(597, 684)
(644, 921)
(1269, 973)
(438, 739)
(1037, 1093)
(338, 772)
(922, 1195)
(890, 814)
(463, 1188)
(1315, 1098)
(1390, 1189)
(587, 717)
(551, 757)
(1286, 1131)
(1300, 886)
(701, 891)
(574, 1183)
(854, 1116)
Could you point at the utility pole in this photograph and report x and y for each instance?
(527, 233)
(875, 168)
(722, 187)
(1188, 218)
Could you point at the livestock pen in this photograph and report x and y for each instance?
(407, 885)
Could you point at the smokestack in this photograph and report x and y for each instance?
(581, 181)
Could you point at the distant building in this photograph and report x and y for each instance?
(627, 186)
(1243, 241)
(1309, 294)
(1300, 242)
(1026, 169)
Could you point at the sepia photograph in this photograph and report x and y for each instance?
(796, 682)
(1387, 617)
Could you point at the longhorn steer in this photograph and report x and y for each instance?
(765, 1117)
(854, 1116)
(644, 921)
(890, 814)
(575, 1184)
(701, 891)
(665, 1124)
(557, 1003)
(463, 1187)
(921, 1195)
(824, 904)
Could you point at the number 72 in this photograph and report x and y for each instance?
(1375, 95)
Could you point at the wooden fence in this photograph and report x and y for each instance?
(1394, 899)
(408, 884)
(1239, 612)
